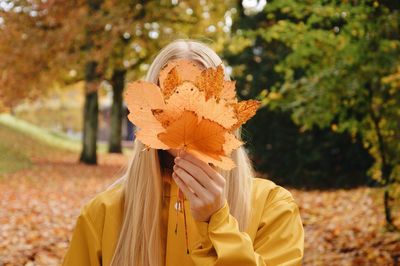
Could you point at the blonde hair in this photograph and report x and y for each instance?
(140, 239)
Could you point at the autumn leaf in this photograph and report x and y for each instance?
(171, 82)
(187, 132)
(244, 111)
(231, 143)
(194, 109)
(188, 97)
(228, 91)
(36, 221)
(169, 78)
(211, 82)
(203, 78)
(143, 97)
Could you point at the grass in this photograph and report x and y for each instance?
(11, 159)
(45, 136)
(20, 140)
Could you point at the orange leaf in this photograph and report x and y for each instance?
(193, 109)
(188, 97)
(228, 91)
(187, 133)
(171, 82)
(211, 81)
(141, 97)
(223, 162)
(231, 143)
(245, 110)
(187, 69)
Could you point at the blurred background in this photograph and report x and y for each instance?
(327, 73)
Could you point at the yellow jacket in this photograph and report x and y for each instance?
(275, 235)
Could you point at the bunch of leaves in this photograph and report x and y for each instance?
(193, 108)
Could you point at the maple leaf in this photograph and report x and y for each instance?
(171, 82)
(244, 111)
(188, 97)
(209, 80)
(190, 133)
(169, 78)
(194, 109)
(208, 139)
(142, 98)
(228, 91)
(212, 82)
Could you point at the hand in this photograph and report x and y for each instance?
(201, 184)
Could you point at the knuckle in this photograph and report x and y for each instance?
(203, 204)
(219, 191)
(208, 201)
(197, 207)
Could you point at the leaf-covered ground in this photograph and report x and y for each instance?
(39, 205)
(346, 227)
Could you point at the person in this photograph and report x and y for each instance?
(231, 217)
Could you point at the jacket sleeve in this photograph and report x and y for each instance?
(84, 247)
(279, 239)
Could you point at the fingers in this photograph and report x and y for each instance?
(191, 182)
(201, 184)
(211, 172)
(188, 193)
(199, 173)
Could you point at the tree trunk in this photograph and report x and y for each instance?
(91, 106)
(118, 82)
(387, 199)
(386, 167)
(386, 170)
(90, 116)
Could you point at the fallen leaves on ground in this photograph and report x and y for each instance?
(346, 227)
(39, 207)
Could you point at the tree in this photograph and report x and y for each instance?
(335, 68)
(93, 76)
(106, 40)
(34, 48)
(282, 150)
(145, 29)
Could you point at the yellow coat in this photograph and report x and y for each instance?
(275, 235)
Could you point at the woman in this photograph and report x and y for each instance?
(230, 217)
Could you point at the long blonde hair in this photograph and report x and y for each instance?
(140, 239)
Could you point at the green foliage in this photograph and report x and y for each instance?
(334, 76)
(280, 148)
(332, 65)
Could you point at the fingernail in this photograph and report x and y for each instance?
(177, 159)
